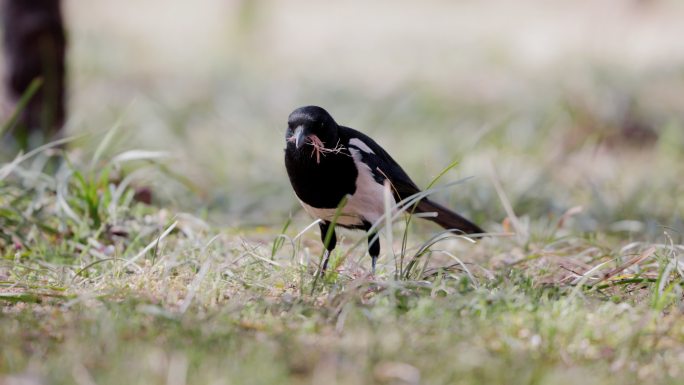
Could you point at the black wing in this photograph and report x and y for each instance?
(384, 167)
(381, 164)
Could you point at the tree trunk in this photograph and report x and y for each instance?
(34, 45)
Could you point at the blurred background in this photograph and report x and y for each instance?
(564, 104)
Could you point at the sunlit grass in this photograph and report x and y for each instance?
(99, 286)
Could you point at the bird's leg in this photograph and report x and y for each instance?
(325, 226)
(373, 250)
(326, 257)
(373, 246)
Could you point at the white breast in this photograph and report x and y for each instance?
(367, 203)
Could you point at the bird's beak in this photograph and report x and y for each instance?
(300, 137)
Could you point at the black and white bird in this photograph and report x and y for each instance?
(327, 162)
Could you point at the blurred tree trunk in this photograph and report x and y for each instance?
(34, 47)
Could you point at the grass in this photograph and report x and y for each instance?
(100, 288)
(214, 282)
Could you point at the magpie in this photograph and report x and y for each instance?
(327, 162)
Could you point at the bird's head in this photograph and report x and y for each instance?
(311, 125)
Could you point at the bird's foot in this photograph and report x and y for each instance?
(324, 265)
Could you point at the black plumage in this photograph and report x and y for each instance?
(326, 162)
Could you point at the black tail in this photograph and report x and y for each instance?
(447, 218)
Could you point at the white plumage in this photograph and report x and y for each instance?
(366, 204)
